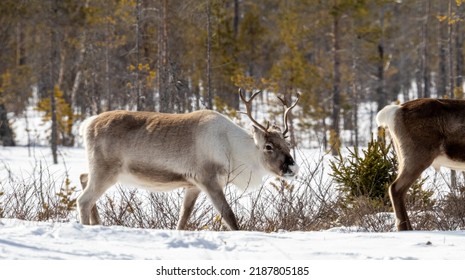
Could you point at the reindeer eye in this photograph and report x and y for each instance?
(268, 147)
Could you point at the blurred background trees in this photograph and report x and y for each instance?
(78, 58)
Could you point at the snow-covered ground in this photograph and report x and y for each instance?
(44, 240)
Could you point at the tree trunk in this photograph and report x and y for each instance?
(147, 47)
(235, 97)
(209, 50)
(453, 173)
(6, 133)
(78, 77)
(21, 43)
(381, 97)
(442, 45)
(139, 99)
(459, 66)
(107, 87)
(450, 45)
(163, 59)
(336, 88)
(426, 82)
(236, 18)
(53, 78)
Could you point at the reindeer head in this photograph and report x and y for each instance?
(275, 152)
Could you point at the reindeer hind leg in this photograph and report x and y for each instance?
(94, 217)
(190, 197)
(93, 188)
(412, 167)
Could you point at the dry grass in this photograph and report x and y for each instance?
(308, 203)
(38, 196)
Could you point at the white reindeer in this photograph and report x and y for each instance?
(199, 151)
(425, 132)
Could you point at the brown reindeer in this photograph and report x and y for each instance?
(199, 151)
(425, 132)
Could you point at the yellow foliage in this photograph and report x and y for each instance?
(249, 83)
(458, 92)
(269, 84)
(451, 20)
(381, 134)
(65, 195)
(441, 18)
(64, 112)
(110, 20)
(151, 77)
(143, 67)
(223, 107)
(334, 140)
(218, 218)
(5, 80)
(242, 81)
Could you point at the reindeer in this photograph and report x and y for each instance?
(425, 132)
(199, 151)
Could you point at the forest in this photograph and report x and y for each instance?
(79, 58)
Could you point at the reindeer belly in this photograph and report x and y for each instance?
(152, 178)
(445, 161)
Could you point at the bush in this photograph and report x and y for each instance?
(35, 197)
(367, 174)
(449, 210)
(363, 180)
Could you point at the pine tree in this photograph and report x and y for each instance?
(368, 174)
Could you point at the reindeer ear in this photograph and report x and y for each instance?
(258, 134)
(256, 130)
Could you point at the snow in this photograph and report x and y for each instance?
(46, 240)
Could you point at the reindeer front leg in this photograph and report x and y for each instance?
(211, 180)
(222, 206)
(214, 191)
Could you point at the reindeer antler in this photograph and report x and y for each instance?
(248, 106)
(286, 112)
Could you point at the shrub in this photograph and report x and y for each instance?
(363, 180)
(449, 210)
(366, 174)
(34, 196)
